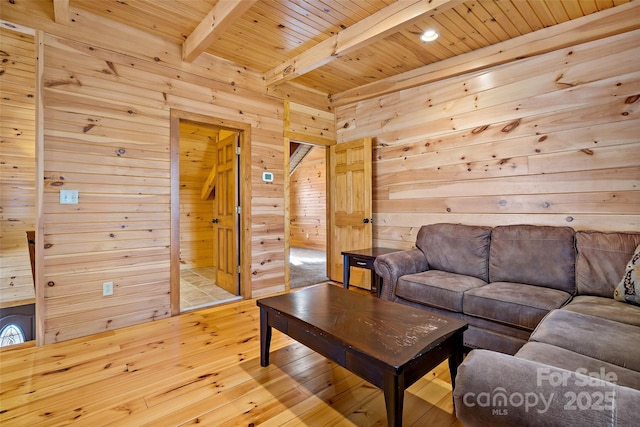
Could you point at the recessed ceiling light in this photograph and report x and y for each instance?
(429, 36)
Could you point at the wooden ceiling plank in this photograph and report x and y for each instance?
(223, 14)
(573, 9)
(61, 11)
(466, 13)
(557, 10)
(513, 14)
(148, 17)
(451, 43)
(505, 22)
(492, 25)
(402, 55)
(278, 14)
(470, 32)
(527, 12)
(459, 37)
(291, 14)
(604, 4)
(364, 9)
(421, 53)
(588, 28)
(242, 44)
(588, 7)
(190, 9)
(342, 12)
(544, 14)
(375, 27)
(296, 31)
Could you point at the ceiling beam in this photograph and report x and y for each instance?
(217, 21)
(609, 22)
(381, 24)
(305, 95)
(61, 11)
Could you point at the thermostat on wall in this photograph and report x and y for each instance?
(267, 176)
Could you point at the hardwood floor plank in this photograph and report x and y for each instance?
(202, 367)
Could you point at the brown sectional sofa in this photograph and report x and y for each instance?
(502, 281)
(539, 302)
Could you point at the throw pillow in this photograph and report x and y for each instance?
(628, 290)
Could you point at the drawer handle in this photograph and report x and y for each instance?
(361, 263)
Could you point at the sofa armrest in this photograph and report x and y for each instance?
(495, 389)
(396, 264)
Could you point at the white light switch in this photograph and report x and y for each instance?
(68, 197)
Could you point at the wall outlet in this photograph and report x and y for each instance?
(107, 289)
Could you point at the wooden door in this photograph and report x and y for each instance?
(225, 215)
(350, 205)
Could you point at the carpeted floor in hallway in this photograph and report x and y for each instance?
(308, 267)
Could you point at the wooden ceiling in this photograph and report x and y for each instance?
(337, 46)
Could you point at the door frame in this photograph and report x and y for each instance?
(244, 230)
(290, 136)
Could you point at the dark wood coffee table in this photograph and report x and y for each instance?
(386, 343)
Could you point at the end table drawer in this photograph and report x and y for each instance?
(361, 262)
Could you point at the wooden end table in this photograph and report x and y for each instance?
(363, 258)
(388, 344)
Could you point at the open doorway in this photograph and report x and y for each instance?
(208, 200)
(18, 184)
(308, 215)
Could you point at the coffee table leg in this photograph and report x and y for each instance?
(265, 337)
(455, 360)
(394, 399)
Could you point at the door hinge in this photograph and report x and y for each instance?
(238, 210)
(237, 151)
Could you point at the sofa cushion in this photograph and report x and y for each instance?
(572, 361)
(535, 255)
(456, 248)
(436, 288)
(601, 260)
(606, 308)
(595, 337)
(489, 340)
(628, 290)
(513, 304)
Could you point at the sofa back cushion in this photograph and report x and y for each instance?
(456, 248)
(534, 255)
(601, 262)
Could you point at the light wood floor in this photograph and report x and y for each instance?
(200, 367)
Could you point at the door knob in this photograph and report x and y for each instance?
(366, 220)
(214, 220)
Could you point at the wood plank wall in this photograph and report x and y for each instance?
(107, 105)
(17, 166)
(552, 140)
(308, 193)
(197, 157)
(310, 125)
